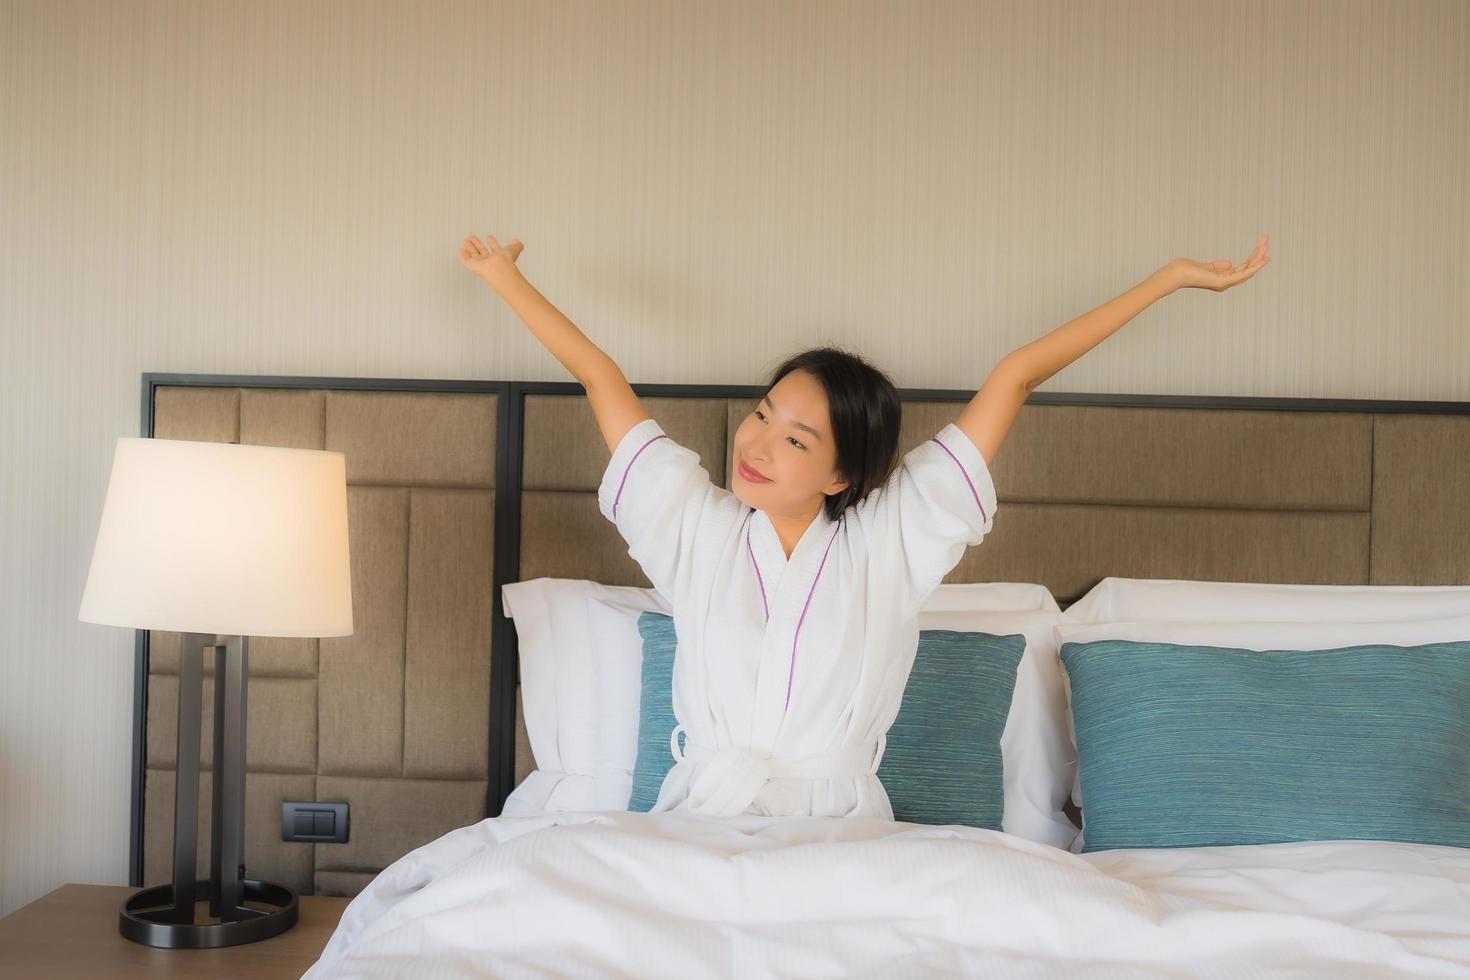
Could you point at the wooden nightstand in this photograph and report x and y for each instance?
(72, 932)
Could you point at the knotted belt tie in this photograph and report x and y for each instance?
(728, 778)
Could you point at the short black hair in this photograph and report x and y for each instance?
(865, 412)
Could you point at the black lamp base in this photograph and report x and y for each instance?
(164, 914)
(151, 917)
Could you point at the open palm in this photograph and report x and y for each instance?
(1220, 275)
(495, 263)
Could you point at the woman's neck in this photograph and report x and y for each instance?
(790, 529)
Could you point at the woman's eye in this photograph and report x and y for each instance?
(792, 438)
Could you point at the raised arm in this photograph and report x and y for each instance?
(988, 416)
(613, 402)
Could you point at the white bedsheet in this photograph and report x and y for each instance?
(612, 893)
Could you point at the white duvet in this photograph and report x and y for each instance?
(612, 893)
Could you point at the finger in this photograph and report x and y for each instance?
(492, 241)
(479, 245)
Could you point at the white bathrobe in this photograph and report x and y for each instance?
(788, 674)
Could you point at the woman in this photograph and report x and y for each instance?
(796, 592)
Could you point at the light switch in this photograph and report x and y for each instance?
(315, 822)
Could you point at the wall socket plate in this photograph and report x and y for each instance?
(316, 823)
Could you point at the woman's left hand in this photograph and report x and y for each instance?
(1218, 275)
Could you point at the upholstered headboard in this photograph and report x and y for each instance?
(455, 488)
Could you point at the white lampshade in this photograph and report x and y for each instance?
(210, 537)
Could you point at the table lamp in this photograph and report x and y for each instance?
(219, 542)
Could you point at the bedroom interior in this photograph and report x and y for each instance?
(1222, 619)
(459, 488)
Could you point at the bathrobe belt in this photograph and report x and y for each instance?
(727, 779)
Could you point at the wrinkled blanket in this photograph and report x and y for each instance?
(613, 893)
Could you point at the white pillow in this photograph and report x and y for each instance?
(559, 697)
(990, 597)
(1115, 600)
(1037, 750)
(1275, 635)
(545, 791)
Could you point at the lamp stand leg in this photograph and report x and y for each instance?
(186, 774)
(226, 867)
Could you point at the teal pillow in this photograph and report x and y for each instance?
(942, 763)
(1194, 746)
(656, 721)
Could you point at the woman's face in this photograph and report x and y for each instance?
(787, 438)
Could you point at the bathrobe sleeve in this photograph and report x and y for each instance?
(655, 491)
(938, 502)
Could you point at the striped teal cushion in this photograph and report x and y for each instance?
(942, 764)
(1192, 746)
(656, 721)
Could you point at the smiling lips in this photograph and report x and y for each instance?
(750, 474)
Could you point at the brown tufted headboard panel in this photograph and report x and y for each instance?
(458, 487)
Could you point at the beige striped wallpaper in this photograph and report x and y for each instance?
(252, 187)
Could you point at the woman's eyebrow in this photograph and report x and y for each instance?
(799, 425)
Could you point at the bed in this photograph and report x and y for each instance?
(1326, 493)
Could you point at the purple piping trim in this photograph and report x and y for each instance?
(630, 467)
(792, 673)
(966, 476)
(758, 578)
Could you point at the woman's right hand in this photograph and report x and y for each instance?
(496, 264)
